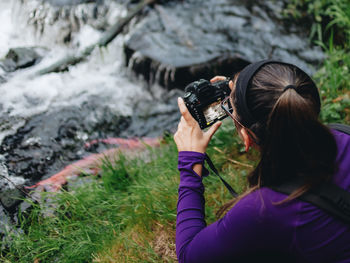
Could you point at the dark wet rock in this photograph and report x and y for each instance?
(25, 206)
(178, 75)
(8, 229)
(10, 198)
(311, 56)
(5, 222)
(180, 42)
(11, 188)
(21, 57)
(152, 118)
(49, 141)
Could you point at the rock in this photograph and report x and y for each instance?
(182, 71)
(10, 188)
(21, 57)
(8, 229)
(180, 42)
(5, 222)
(10, 198)
(49, 141)
(152, 117)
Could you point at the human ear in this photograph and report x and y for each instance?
(246, 139)
(231, 84)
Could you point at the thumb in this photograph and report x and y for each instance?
(213, 129)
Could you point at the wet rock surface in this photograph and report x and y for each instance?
(152, 118)
(21, 57)
(49, 141)
(5, 223)
(11, 191)
(182, 41)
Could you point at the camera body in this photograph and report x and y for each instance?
(203, 100)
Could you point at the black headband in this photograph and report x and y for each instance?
(243, 82)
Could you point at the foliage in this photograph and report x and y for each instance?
(325, 16)
(334, 80)
(331, 30)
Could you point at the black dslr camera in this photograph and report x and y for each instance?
(203, 100)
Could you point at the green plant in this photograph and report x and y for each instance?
(331, 21)
(116, 175)
(339, 12)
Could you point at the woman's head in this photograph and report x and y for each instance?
(279, 103)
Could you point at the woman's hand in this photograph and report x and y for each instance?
(189, 136)
(217, 78)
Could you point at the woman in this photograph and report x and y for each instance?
(275, 109)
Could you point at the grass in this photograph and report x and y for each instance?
(334, 82)
(126, 215)
(330, 29)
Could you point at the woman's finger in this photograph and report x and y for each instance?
(217, 78)
(184, 111)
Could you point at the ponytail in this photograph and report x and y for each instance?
(294, 143)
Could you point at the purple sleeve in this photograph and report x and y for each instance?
(190, 207)
(241, 231)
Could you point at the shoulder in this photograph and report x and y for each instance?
(342, 138)
(342, 177)
(257, 217)
(261, 207)
(343, 142)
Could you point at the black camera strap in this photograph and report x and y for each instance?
(328, 197)
(213, 168)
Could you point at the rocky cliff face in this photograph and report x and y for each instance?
(179, 42)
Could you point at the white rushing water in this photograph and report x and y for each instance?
(103, 74)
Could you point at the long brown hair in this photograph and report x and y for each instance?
(293, 142)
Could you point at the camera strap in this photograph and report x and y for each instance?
(327, 196)
(216, 172)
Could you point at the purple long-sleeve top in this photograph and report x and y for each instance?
(255, 228)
